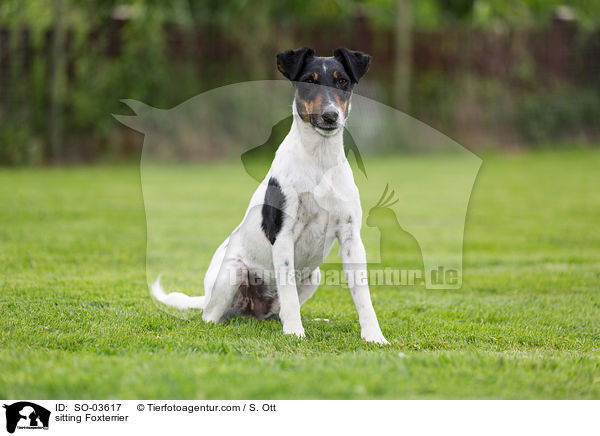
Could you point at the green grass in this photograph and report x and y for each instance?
(76, 320)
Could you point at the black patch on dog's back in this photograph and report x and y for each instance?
(272, 210)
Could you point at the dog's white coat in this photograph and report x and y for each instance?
(322, 205)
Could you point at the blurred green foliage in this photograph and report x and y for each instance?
(559, 116)
(240, 39)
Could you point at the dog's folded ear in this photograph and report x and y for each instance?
(356, 63)
(290, 62)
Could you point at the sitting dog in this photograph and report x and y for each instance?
(269, 265)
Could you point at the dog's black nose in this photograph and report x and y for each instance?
(330, 117)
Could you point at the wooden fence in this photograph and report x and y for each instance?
(562, 51)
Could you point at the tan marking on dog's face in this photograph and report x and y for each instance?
(306, 108)
(336, 74)
(317, 106)
(343, 102)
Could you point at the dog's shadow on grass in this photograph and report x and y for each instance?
(337, 335)
(242, 335)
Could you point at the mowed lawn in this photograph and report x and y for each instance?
(77, 321)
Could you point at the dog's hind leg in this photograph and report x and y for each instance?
(308, 286)
(213, 270)
(230, 277)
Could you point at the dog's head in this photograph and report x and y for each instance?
(323, 85)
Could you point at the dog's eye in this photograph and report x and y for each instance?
(310, 80)
(342, 82)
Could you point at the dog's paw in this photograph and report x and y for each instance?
(206, 317)
(298, 331)
(375, 337)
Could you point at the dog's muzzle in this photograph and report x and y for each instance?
(327, 122)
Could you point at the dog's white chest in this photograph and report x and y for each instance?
(316, 223)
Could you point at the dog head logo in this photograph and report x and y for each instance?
(26, 415)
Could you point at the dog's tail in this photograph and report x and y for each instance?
(176, 299)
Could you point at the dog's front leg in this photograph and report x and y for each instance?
(355, 267)
(289, 304)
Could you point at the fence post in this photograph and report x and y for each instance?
(4, 68)
(55, 121)
(562, 39)
(403, 55)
